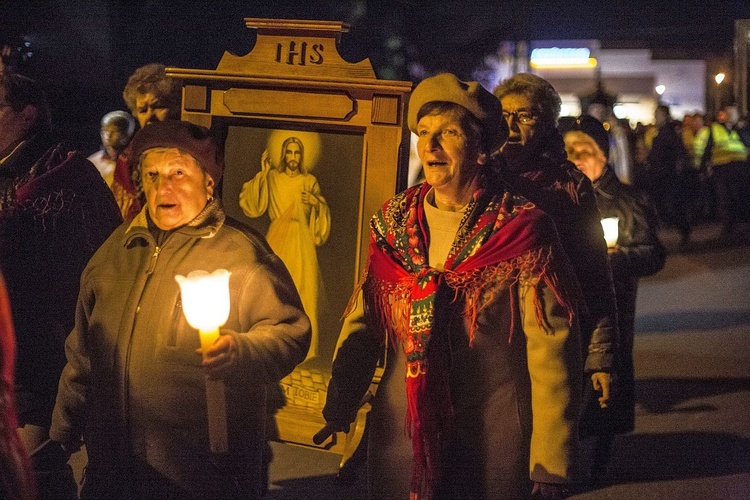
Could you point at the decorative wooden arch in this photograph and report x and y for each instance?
(294, 78)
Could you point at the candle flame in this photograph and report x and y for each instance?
(205, 298)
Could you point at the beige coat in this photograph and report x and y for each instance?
(516, 402)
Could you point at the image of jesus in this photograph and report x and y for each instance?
(300, 221)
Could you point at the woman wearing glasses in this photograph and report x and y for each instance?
(537, 167)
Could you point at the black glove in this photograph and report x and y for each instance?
(339, 426)
(329, 430)
(550, 491)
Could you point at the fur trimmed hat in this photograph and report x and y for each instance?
(189, 138)
(484, 106)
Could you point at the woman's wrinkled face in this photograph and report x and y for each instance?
(522, 122)
(449, 162)
(149, 108)
(176, 187)
(586, 158)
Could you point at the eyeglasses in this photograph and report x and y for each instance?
(523, 117)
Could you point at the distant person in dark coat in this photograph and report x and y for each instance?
(55, 211)
(638, 252)
(664, 175)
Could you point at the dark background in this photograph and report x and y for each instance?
(84, 50)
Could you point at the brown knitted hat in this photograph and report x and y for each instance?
(189, 138)
(484, 106)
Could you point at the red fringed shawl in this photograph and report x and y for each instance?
(499, 239)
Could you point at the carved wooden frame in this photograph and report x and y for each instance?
(294, 77)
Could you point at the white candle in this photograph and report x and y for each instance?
(611, 231)
(208, 339)
(205, 299)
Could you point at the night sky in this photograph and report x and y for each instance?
(85, 50)
(444, 34)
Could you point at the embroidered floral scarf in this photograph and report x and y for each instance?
(500, 237)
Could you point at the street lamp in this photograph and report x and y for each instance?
(205, 301)
(660, 91)
(719, 78)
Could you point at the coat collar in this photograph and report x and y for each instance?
(608, 175)
(205, 224)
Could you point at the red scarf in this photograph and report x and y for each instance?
(126, 190)
(500, 237)
(17, 478)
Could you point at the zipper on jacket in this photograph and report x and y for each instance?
(126, 368)
(176, 317)
(152, 265)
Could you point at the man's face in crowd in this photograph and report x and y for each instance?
(293, 156)
(176, 187)
(733, 115)
(598, 111)
(660, 118)
(150, 109)
(14, 125)
(114, 138)
(698, 122)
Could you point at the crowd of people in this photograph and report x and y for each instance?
(505, 317)
(695, 169)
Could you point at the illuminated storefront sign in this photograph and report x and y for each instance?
(556, 57)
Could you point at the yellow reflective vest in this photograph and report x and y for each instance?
(727, 145)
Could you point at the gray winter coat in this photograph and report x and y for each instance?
(134, 387)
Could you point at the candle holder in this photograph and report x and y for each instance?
(205, 302)
(611, 231)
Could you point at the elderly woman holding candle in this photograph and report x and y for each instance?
(135, 384)
(637, 252)
(467, 286)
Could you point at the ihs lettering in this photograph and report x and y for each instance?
(298, 53)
